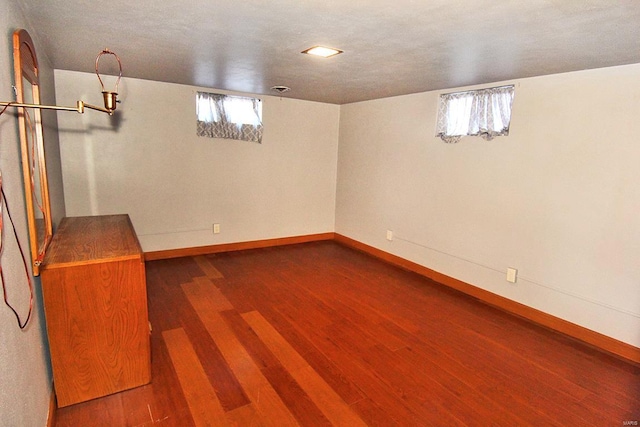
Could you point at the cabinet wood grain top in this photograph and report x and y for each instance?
(92, 239)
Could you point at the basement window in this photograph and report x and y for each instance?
(229, 117)
(485, 113)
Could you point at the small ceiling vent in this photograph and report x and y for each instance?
(280, 89)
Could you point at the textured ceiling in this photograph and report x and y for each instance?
(391, 47)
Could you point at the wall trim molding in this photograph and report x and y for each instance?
(239, 246)
(594, 339)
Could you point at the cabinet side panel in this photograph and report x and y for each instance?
(97, 323)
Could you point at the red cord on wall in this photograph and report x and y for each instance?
(3, 206)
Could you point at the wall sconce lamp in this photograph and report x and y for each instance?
(110, 97)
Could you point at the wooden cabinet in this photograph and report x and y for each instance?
(95, 301)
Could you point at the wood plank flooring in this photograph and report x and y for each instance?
(317, 334)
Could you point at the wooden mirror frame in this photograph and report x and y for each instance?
(36, 184)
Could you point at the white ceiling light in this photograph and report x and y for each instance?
(322, 51)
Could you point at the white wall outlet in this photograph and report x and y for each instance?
(512, 275)
(389, 235)
(216, 228)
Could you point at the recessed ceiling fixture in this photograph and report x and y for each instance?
(322, 51)
(280, 89)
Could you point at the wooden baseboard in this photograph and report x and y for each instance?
(230, 247)
(51, 416)
(594, 339)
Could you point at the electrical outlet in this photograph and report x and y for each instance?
(389, 235)
(216, 228)
(512, 275)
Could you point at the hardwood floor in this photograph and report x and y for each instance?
(318, 334)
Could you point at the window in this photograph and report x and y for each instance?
(230, 117)
(484, 112)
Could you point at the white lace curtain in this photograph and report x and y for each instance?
(231, 117)
(484, 112)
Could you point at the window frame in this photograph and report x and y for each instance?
(219, 115)
(481, 112)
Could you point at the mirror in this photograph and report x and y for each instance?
(32, 143)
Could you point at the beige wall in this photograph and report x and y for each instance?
(25, 376)
(175, 185)
(558, 198)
